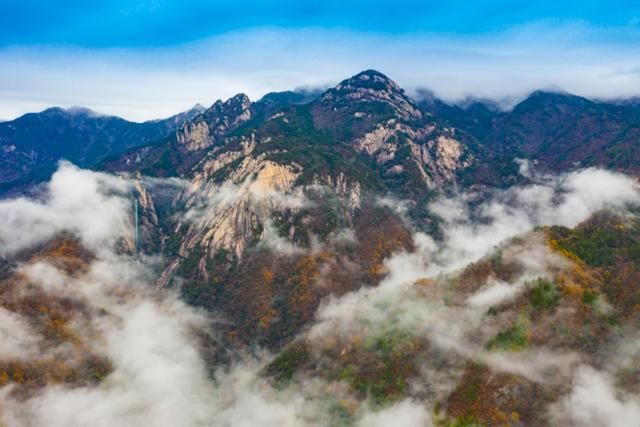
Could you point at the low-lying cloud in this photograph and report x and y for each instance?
(152, 339)
(75, 200)
(471, 232)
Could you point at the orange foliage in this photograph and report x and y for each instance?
(305, 274)
(66, 254)
(555, 245)
(379, 238)
(262, 303)
(573, 290)
(38, 373)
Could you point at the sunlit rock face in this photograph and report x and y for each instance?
(234, 211)
(436, 152)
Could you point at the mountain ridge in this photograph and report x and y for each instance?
(32, 144)
(483, 132)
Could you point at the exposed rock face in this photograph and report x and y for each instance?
(440, 159)
(436, 152)
(381, 141)
(218, 161)
(348, 191)
(230, 216)
(147, 218)
(372, 114)
(206, 129)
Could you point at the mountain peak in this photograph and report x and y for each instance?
(72, 111)
(372, 87)
(371, 79)
(551, 99)
(198, 107)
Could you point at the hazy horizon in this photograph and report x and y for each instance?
(146, 60)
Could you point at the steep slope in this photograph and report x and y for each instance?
(250, 167)
(180, 151)
(374, 115)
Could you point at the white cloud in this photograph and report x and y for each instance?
(564, 200)
(593, 402)
(271, 239)
(469, 234)
(158, 379)
(494, 293)
(17, 338)
(150, 336)
(91, 205)
(159, 376)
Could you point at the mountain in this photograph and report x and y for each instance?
(368, 252)
(437, 143)
(558, 131)
(365, 118)
(32, 145)
(360, 141)
(261, 184)
(268, 180)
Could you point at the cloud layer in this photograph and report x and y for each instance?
(155, 82)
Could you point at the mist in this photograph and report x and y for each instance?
(159, 375)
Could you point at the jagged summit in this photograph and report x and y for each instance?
(240, 100)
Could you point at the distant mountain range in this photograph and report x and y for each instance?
(558, 131)
(31, 145)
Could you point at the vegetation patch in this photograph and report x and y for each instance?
(601, 241)
(379, 367)
(610, 245)
(544, 294)
(287, 363)
(515, 338)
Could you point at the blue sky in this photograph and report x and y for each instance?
(144, 59)
(161, 23)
